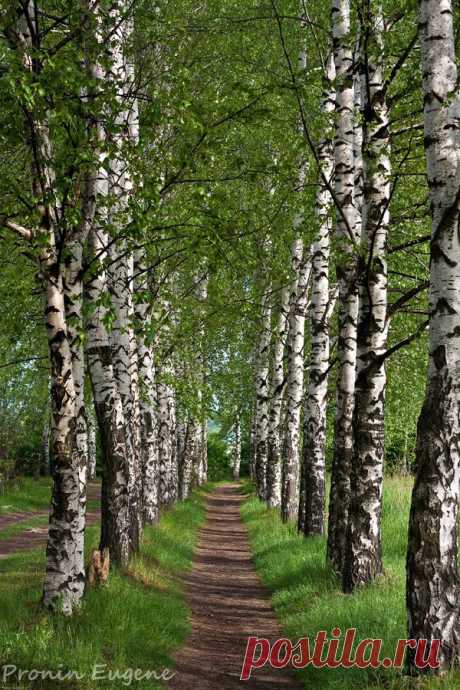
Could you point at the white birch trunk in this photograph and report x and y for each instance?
(202, 440)
(433, 593)
(188, 457)
(295, 384)
(148, 400)
(275, 435)
(164, 443)
(311, 513)
(347, 230)
(167, 451)
(92, 447)
(173, 467)
(115, 524)
(363, 560)
(236, 454)
(124, 351)
(262, 397)
(64, 573)
(45, 450)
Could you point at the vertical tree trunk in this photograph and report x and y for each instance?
(124, 136)
(115, 525)
(433, 584)
(294, 390)
(204, 449)
(64, 576)
(164, 443)
(274, 454)
(173, 467)
(236, 460)
(45, 454)
(73, 296)
(202, 440)
(120, 282)
(92, 446)
(190, 452)
(167, 438)
(262, 396)
(311, 513)
(252, 434)
(363, 560)
(347, 238)
(147, 401)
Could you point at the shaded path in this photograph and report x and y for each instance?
(228, 604)
(35, 537)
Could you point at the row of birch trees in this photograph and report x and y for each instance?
(227, 209)
(298, 345)
(108, 318)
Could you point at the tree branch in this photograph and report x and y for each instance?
(18, 229)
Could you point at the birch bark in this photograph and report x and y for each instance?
(294, 390)
(236, 461)
(188, 458)
(122, 138)
(363, 559)
(433, 593)
(92, 448)
(262, 396)
(64, 573)
(274, 444)
(148, 398)
(311, 514)
(115, 518)
(347, 230)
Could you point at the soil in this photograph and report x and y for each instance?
(228, 604)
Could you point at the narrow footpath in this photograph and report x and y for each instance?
(228, 604)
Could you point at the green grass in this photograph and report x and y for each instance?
(26, 494)
(307, 598)
(136, 621)
(12, 530)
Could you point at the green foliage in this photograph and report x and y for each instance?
(218, 458)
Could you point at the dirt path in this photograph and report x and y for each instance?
(228, 604)
(35, 537)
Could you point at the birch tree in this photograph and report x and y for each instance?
(92, 446)
(262, 397)
(65, 575)
(294, 388)
(432, 570)
(236, 456)
(275, 430)
(311, 513)
(120, 139)
(148, 398)
(188, 457)
(346, 269)
(363, 559)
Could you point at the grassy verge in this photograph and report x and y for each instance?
(135, 622)
(22, 526)
(307, 597)
(26, 494)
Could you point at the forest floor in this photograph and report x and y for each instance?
(228, 604)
